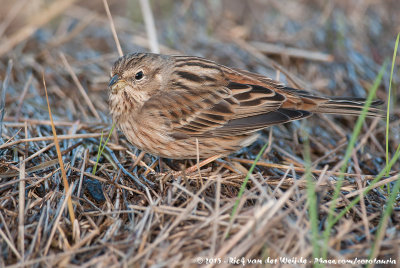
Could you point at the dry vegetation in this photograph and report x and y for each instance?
(333, 47)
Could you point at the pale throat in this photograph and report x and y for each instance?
(126, 103)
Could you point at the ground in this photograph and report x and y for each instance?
(288, 211)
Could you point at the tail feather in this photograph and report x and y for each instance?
(349, 106)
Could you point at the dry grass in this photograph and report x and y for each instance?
(170, 216)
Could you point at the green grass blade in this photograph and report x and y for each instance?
(246, 180)
(108, 138)
(98, 153)
(349, 150)
(384, 220)
(102, 147)
(312, 199)
(388, 100)
(357, 198)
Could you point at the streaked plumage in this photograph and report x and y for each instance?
(164, 103)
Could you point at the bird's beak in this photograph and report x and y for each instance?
(113, 80)
(116, 83)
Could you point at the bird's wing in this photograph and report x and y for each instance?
(220, 109)
(297, 99)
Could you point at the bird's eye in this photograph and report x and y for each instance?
(139, 75)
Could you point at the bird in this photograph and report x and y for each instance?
(185, 107)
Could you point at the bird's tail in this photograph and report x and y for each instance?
(349, 106)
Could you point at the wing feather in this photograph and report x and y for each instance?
(218, 103)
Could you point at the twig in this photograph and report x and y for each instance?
(57, 220)
(49, 138)
(216, 220)
(9, 243)
(114, 32)
(268, 48)
(82, 170)
(138, 159)
(198, 160)
(272, 165)
(266, 210)
(150, 27)
(21, 210)
(126, 172)
(90, 175)
(202, 163)
(79, 86)
(115, 159)
(60, 160)
(386, 181)
(21, 98)
(39, 152)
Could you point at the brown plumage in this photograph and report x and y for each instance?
(164, 103)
